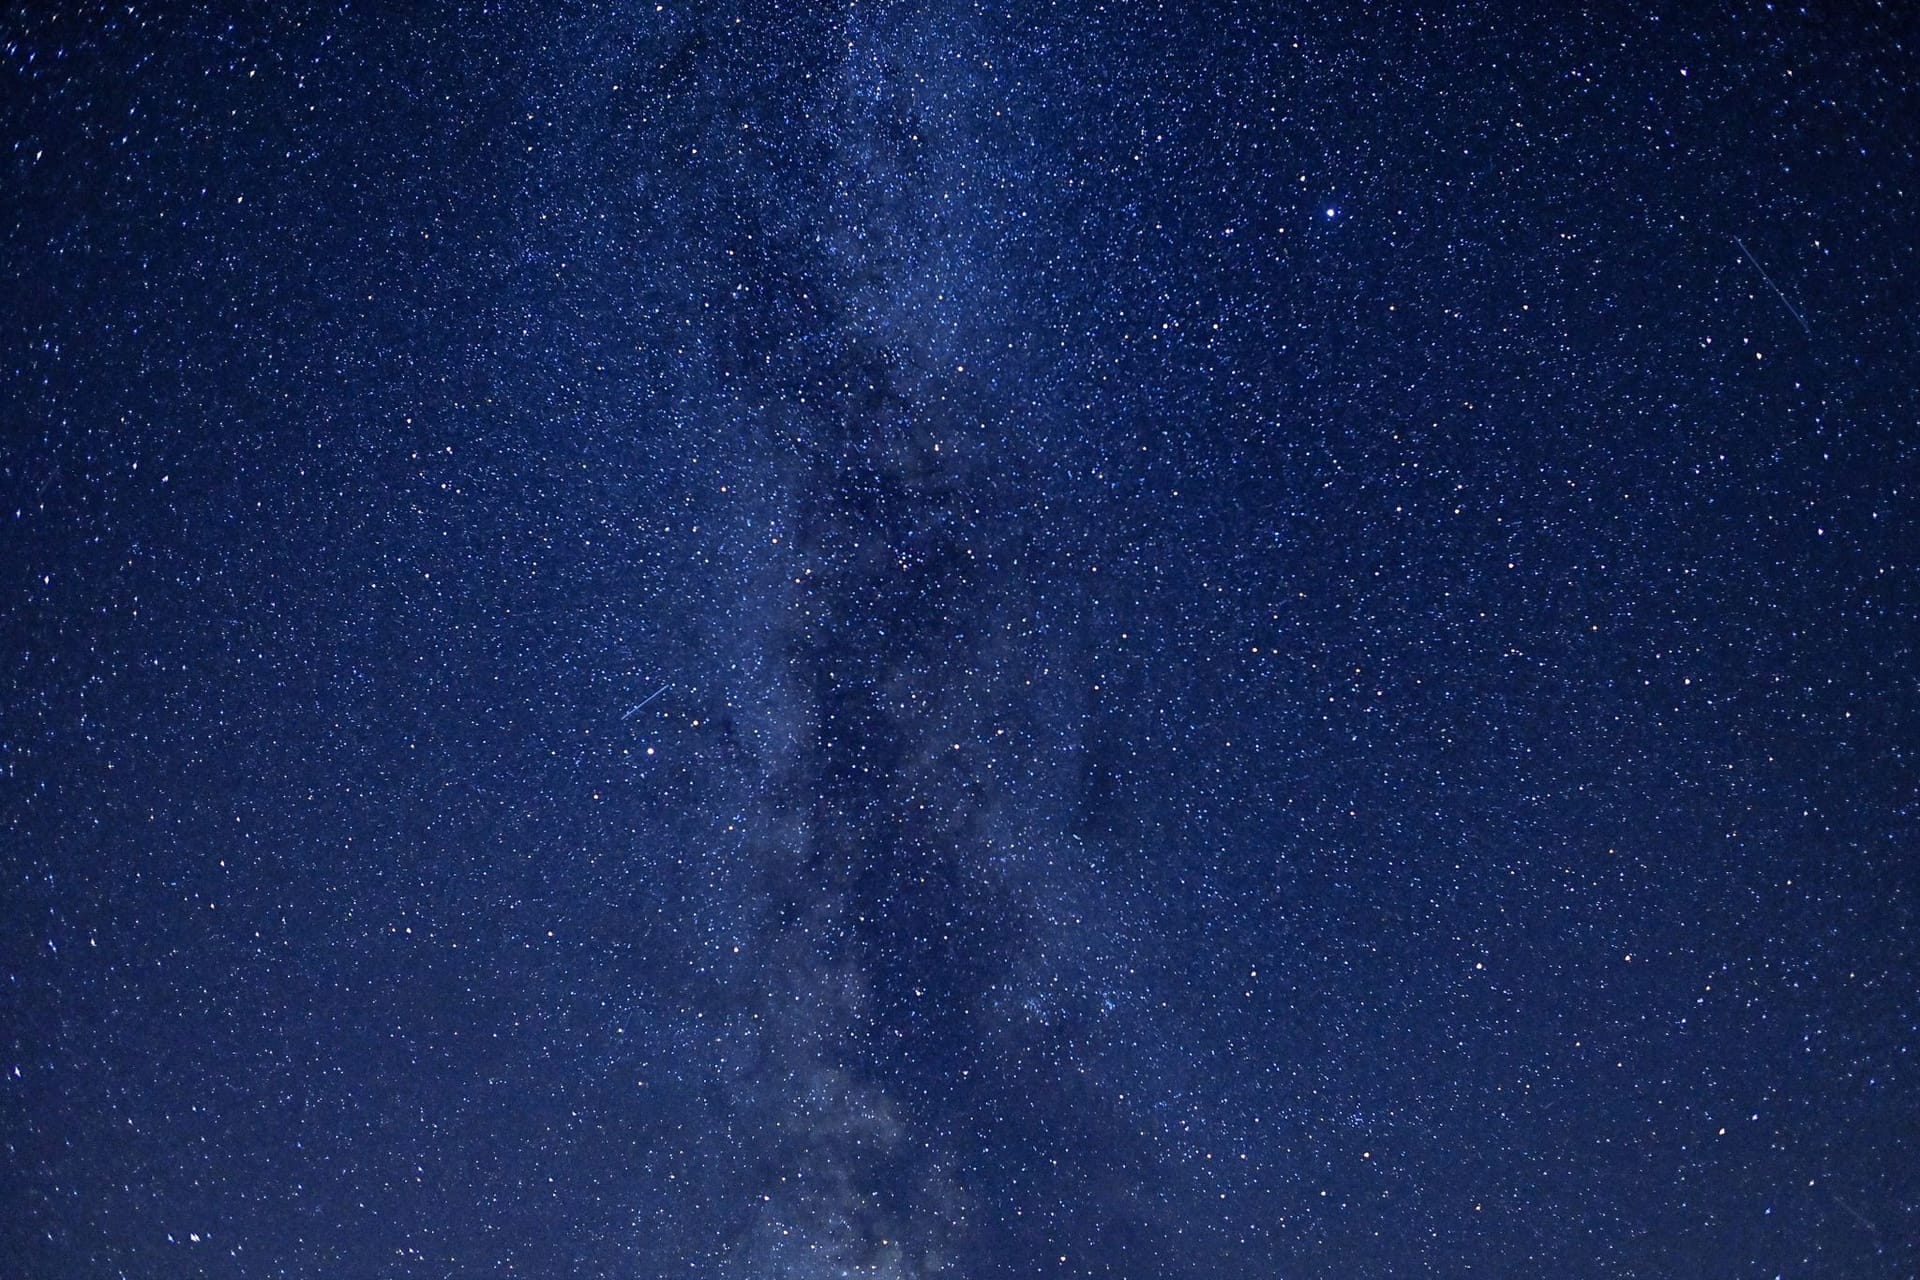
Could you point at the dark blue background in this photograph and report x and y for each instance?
(1284, 638)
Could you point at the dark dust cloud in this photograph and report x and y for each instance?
(936, 639)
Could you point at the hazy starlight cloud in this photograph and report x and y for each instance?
(920, 640)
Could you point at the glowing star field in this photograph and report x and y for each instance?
(964, 641)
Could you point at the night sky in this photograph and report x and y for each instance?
(964, 640)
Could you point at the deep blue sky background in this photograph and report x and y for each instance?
(956, 640)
